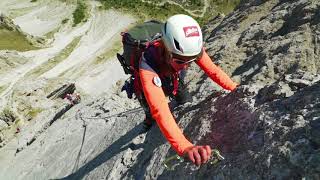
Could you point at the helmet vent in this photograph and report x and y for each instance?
(177, 45)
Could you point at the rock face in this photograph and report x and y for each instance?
(267, 129)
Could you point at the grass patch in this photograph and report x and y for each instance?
(33, 112)
(54, 61)
(225, 7)
(13, 40)
(144, 10)
(33, 1)
(149, 10)
(2, 88)
(79, 14)
(194, 4)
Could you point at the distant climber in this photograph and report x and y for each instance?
(73, 98)
(161, 73)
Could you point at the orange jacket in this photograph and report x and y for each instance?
(158, 104)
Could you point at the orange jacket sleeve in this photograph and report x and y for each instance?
(215, 72)
(161, 113)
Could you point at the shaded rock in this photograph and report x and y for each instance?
(61, 92)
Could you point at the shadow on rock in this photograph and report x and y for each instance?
(154, 139)
(114, 149)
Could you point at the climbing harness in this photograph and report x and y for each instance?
(170, 163)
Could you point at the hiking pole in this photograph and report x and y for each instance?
(217, 157)
(126, 112)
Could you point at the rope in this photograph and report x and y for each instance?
(121, 114)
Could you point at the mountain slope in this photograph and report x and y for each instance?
(267, 129)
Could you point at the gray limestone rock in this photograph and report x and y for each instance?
(268, 128)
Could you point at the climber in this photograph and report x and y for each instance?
(73, 98)
(161, 72)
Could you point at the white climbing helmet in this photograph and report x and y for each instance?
(182, 35)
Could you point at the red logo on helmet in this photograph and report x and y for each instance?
(191, 31)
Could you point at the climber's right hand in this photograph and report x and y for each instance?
(198, 154)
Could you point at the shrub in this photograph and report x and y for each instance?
(64, 21)
(80, 13)
(33, 113)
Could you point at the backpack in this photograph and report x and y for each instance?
(135, 41)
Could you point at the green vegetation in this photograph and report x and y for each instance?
(65, 21)
(79, 14)
(13, 40)
(2, 88)
(54, 61)
(33, 112)
(225, 6)
(33, 1)
(193, 4)
(152, 9)
(144, 10)
(196, 3)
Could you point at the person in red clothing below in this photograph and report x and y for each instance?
(161, 72)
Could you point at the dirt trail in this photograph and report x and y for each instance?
(193, 12)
